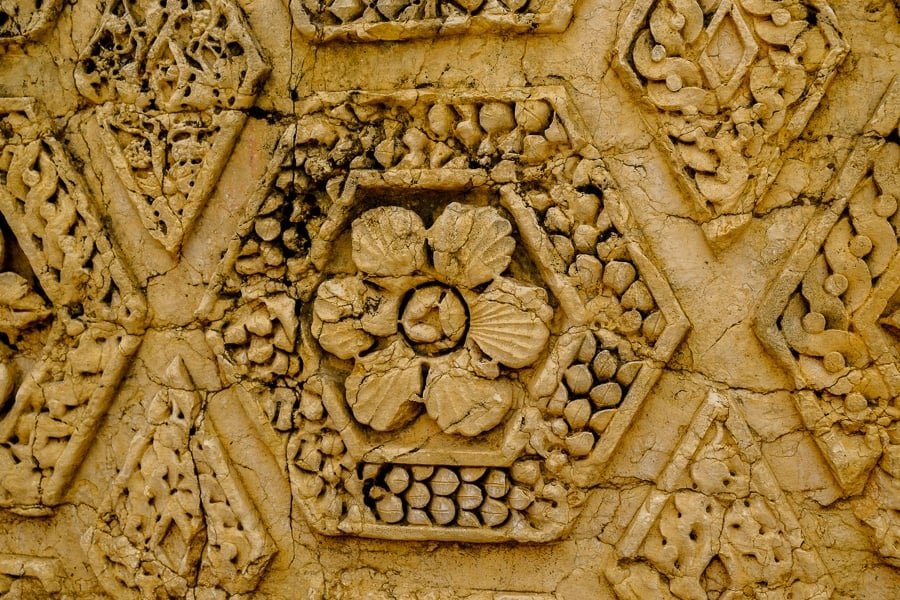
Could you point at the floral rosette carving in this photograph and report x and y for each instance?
(450, 290)
(445, 332)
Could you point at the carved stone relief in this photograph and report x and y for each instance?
(22, 20)
(392, 20)
(445, 300)
(468, 385)
(71, 313)
(732, 83)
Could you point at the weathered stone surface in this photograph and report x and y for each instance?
(484, 300)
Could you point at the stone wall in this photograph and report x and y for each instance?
(450, 299)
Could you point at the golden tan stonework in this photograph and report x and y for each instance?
(450, 299)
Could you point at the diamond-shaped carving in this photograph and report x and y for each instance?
(730, 50)
(828, 320)
(733, 83)
(823, 318)
(63, 272)
(497, 314)
(180, 77)
(717, 523)
(393, 20)
(177, 516)
(21, 20)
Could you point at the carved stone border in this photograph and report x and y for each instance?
(553, 17)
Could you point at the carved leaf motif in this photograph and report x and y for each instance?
(19, 305)
(461, 402)
(389, 241)
(472, 245)
(509, 322)
(384, 389)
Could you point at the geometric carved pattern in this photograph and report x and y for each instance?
(21, 20)
(832, 320)
(178, 517)
(70, 314)
(392, 20)
(475, 361)
(178, 73)
(733, 82)
(717, 524)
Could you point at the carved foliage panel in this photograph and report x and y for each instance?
(393, 20)
(178, 521)
(71, 314)
(831, 318)
(173, 79)
(732, 83)
(717, 524)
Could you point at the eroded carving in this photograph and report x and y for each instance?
(71, 314)
(717, 524)
(22, 20)
(492, 320)
(24, 576)
(172, 79)
(392, 20)
(733, 83)
(830, 319)
(178, 519)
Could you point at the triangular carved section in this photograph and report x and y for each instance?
(177, 516)
(717, 523)
(55, 397)
(169, 162)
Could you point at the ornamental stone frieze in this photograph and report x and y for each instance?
(450, 299)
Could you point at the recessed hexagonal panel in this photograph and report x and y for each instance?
(393, 20)
(449, 287)
(173, 78)
(733, 82)
(63, 273)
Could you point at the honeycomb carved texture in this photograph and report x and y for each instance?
(450, 299)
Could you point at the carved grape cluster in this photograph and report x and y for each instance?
(470, 497)
(592, 389)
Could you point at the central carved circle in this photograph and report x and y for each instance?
(434, 319)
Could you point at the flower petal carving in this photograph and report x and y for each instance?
(472, 245)
(336, 317)
(463, 403)
(509, 322)
(384, 389)
(389, 241)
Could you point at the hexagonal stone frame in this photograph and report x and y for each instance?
(583, 472)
